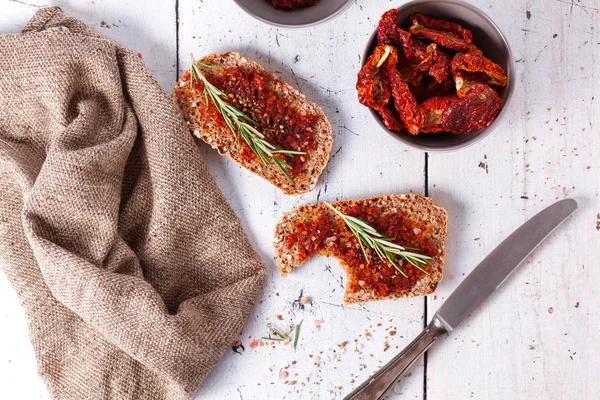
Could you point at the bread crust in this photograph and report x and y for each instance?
(417, 208)
(221, 139)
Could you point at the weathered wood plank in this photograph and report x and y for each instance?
(322, 63)
(514, 347)
(538, 336)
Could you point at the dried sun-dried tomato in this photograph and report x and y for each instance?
(470, 69)
(440, 67)
(388, 32)
(373, 84)
(292, 4)
(432, 110)
(445, 33)
(390, 120)
(429, 87)
(474, 111)
(406, 104)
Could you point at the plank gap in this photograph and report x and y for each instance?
(425, 316)
(176, 40)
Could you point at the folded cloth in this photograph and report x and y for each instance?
(133, 270)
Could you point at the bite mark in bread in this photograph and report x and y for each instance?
(411, 218)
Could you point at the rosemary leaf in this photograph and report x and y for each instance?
(384, 247)
(278, 332)
(273, 339)
(296, 332)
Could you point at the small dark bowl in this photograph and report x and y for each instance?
(486, 35)
(325, 11)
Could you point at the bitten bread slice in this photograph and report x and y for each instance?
(316, 229)
(204, 125)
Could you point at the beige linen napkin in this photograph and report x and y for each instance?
(133, 270)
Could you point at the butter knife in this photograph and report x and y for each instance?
(469, 295)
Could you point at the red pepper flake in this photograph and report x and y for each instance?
(139, 55)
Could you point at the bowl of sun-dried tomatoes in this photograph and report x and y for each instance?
(437, 75)
(294, 13)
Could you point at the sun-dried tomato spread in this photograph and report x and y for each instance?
(282, 124)
(327, 234)
(292, 4)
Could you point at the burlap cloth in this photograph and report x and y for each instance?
(133, 270)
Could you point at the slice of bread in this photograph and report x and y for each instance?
(413, 212)
(204, 125)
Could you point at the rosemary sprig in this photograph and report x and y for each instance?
(240, 124)
(383, 246)
(296, 333)
(275, 335)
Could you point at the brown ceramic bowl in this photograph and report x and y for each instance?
(325, 11)
(486, 35)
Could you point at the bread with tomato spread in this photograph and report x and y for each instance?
(286, 118)
(407, 220)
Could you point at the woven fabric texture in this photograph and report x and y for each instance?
(134, 272)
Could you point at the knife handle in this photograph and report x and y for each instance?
(387, 376)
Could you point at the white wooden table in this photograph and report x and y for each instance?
(538, 337)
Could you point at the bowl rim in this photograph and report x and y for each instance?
(321, 21)
(485, 132)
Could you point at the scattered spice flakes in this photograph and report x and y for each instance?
(236, 346)
(279, 317)
(318, 323)
(283, 374)
(301, 301)
(255, 343)
(528, 13)
(598, 222)
(386, 346)
(577, 305)
(555, 36)
(484, 166)
(550, 310)
(392, 333)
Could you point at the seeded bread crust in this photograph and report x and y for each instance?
(417, 208)
(220, 138)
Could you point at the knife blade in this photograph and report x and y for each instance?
(469, 295)
(501, 263)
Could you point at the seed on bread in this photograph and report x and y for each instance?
(407, 220)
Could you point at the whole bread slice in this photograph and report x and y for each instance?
(204, 125)
(418, 211)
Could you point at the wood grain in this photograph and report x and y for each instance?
(536, 338)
